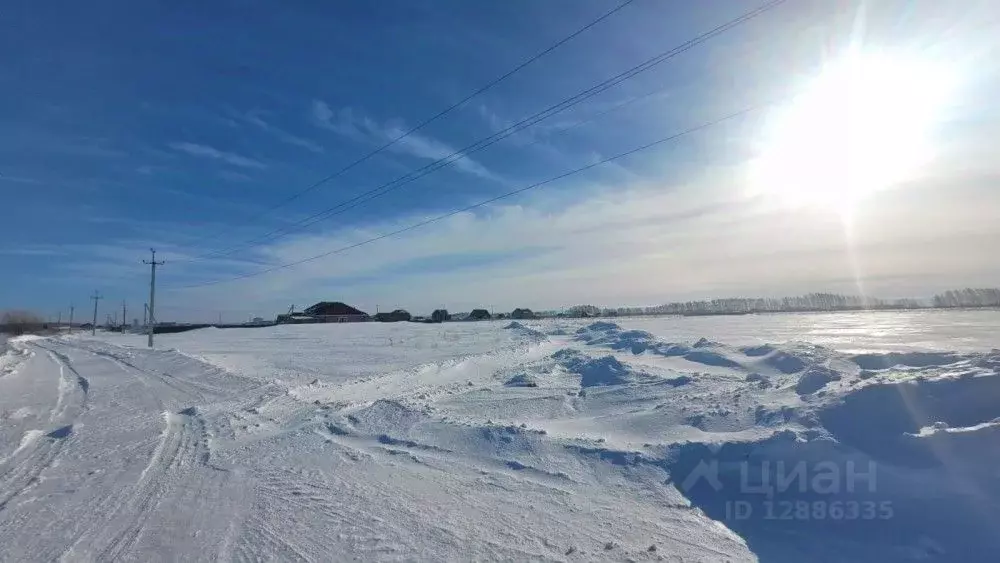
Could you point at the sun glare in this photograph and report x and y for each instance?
(862, 125)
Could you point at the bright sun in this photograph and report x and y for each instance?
(862, 125)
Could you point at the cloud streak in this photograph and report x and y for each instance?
(362, 128)
(205, 151)
(282, 135)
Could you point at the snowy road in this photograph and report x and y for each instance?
(124, 454)
(478, 442)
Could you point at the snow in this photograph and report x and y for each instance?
(623, 439)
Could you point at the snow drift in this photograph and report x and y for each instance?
(475, 441)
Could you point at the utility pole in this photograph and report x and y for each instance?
(152, 295)
(145, 311)
(96, 297)
(59, 321)
(71, 309)
(123, 316)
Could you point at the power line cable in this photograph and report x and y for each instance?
(411, 176)
(433, 118)
(437, 218)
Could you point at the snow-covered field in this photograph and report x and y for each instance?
(847, 437)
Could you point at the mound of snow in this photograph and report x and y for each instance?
(785, 362)
(599, 326)
(611, 336)
(595, 372)
(679, 380)
(875, 418)
(529, 332)
(385, 414)
(906, 359)
(710, 358)
(521, 380)
(754, 351)
(814, 379)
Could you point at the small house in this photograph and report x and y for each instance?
(399, 315)
(479, 315)
(522, 314)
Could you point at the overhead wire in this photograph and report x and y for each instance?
(619, 156)
(431, 119)
(559, 107)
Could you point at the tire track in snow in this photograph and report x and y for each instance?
(167, 381)
(70, 388)
(38, 449)
(27, 470)
(182, 449)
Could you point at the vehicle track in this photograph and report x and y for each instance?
(182, 447)
(40, 448)
(28, 465)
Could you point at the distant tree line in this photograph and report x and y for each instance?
(17, 323)
(802, 303)
(808, 302)
(968, 297)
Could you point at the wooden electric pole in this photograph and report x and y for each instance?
(152, 295)
(96, 297)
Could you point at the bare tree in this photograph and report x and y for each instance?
(18, 322)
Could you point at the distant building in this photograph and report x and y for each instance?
(295, 319)
(258, 321)
(522, 314)
(399, 315)
(479, 315)
(440, 316)
(325, 312)
(336, 312)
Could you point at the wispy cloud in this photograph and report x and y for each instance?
(54, 142)
(36, 250)
(528, 135)
(282, 135)
(19, 179)
(364, 129)
(206, 151)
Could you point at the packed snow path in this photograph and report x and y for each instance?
(126, 454)
(482, 441)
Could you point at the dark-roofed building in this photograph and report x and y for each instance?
(326, 312)
(399, 315)
(479, 315)
(333, 309)
(522, 314)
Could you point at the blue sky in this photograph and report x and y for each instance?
(178, 125)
